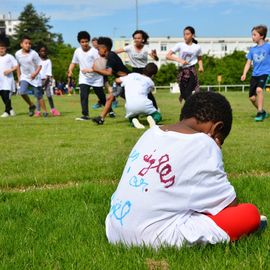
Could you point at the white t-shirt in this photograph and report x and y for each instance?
(169, 180)
(137, 58)
(188, 53)
(7, 82)
(137, 87)
(86, 60)
(29, 62)
(46, 69)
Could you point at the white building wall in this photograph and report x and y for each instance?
(7, 24)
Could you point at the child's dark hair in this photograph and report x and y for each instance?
(144, 35)
(40, 46)
(150, 69)
(24, 38)
(105, 41)
(4, 41)
(83, 35)
(261, 29)
(209, 106)
(192, 31)
(94, 39)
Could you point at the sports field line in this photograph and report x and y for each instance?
(71, 184)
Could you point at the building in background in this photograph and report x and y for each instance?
(7, 24)
(212, 46)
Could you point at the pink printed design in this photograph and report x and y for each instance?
(162, 167)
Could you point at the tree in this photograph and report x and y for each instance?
(37, 27)
(166, 74)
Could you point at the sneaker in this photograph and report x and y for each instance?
(137, 124)
(263, 224)
(96, 106)
(4, 115)
(12, 113)
(83, 118)
(112, 114)
(32, 109)
(265, 114)
(45, 114)
(98, 120)
(37, 114)
(114, 104)
(54, 112)
(151, 121)
(259, 117)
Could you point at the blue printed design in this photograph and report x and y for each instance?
(138, 182)
(120, 210)
(134, 155)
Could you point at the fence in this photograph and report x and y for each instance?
(174, 87)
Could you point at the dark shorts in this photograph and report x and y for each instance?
(255, 82)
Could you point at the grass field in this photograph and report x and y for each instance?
(57, 176)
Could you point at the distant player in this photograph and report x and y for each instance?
(259, 55)
(28, 75)
(8, 65)
(174, 191)
(137, 87)
(189, 54)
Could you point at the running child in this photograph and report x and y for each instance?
(190, 54)
(28, 75)
(259, 56)
(85, 56)
(137, 87)
(174, 191)
(46, 77)
(138, 54)
(114, 67)
(8, 65)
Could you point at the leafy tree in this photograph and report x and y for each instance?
(166, 74)
(37, 27)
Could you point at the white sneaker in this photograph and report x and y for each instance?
(12, 113)
(5, 114)
(151, 121)
(137, 124)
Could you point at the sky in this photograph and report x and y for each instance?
(159, 18)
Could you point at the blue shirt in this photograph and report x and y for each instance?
(260, 55)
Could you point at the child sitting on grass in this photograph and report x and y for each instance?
(174, 190)
(137, 87)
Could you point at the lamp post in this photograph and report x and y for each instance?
(137, 16)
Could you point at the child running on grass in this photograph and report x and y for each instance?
(8, 65)
(190, 54)
(46, 76)
(174, 190)
(137, 87)
(28, 75)
(114, 67)
(259, 55)
(85, 56)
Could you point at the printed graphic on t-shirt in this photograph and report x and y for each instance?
(259, 56)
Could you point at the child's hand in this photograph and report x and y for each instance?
(86, 70)
(243, 77)
(8, 71)
(33, 75)
(201, 69)
(183, 62)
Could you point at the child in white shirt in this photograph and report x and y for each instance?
(28, 75)
(174, 190)
(8, 64)
(137, 87)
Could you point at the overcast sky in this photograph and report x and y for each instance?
(115, 18)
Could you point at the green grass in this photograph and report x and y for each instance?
(57, 176)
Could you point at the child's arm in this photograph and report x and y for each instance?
(153, 54)
(70, 69)
(121, 50)
(35, 73)
(8, 71)
(171, 56)
(200, 62)
(104, 72)
(18, 72)
(118, 80)
(246, 69)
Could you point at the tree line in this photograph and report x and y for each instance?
(36, 25)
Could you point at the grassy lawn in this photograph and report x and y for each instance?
(57, 176)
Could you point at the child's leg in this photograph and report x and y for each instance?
(238, 220)
(39, 96)
(49, 95)
(253, 100)
(5, 94)
(259, 92)
(84, 94)
(107, 106)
